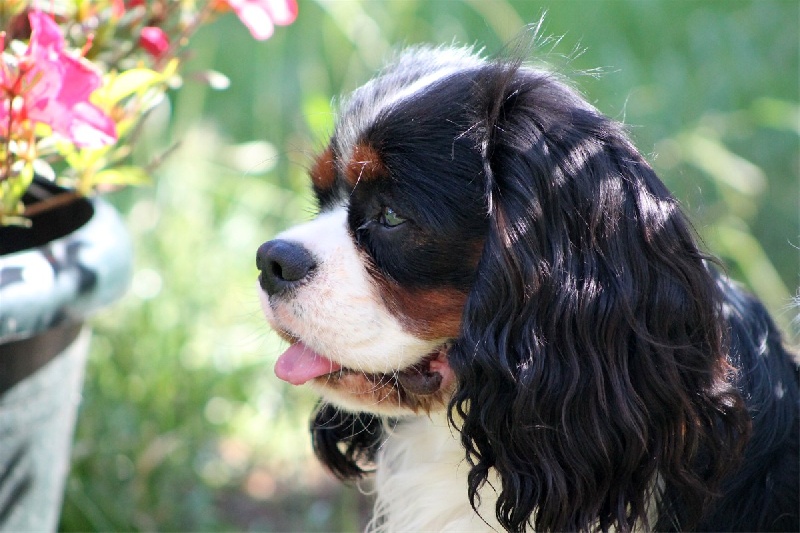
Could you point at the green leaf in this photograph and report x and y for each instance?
(11, 191)
(127, 83)
(124, 175)
(24, 179)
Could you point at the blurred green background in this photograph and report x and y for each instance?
(183, 426)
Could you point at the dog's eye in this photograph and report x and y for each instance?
(390, 218)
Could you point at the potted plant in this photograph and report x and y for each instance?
(77, 78)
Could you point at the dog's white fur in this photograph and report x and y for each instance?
(420, 482)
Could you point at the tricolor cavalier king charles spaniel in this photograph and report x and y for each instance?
(511, 323)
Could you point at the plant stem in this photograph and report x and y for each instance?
(58, 200)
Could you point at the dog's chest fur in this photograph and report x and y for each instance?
(421, 482)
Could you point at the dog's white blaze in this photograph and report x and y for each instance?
(338, 312)
(404, 82)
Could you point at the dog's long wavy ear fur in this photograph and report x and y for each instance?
(599, 378)
(346, 443)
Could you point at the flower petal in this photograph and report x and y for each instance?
(45, 32)
(80, 80)
(255, 16)
(282, 12)
(89, 127)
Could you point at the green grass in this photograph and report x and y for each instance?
(183, 426)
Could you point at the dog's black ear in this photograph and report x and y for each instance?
(345, 442)
(591, 365)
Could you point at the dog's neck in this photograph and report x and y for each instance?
(421, 481)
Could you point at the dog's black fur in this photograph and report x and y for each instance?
(602, 361)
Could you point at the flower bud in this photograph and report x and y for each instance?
(154, 41)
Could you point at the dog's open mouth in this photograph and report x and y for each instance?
(300, 364)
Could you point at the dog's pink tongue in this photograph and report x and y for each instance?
(300, 364)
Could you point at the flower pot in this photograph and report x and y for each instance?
(72, 261)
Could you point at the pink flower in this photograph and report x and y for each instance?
(117, 9)
(261, 16)
(154, 41)
(53, 87)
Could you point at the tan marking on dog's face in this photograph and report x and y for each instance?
(323, 172)
(365, 165)
(433, 313)
(428, 313)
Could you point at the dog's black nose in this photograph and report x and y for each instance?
(283, 264)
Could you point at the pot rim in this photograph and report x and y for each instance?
(68, 278)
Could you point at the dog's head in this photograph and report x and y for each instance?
(487, 242)
(372, 291)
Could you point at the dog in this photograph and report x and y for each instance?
(512, 326)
